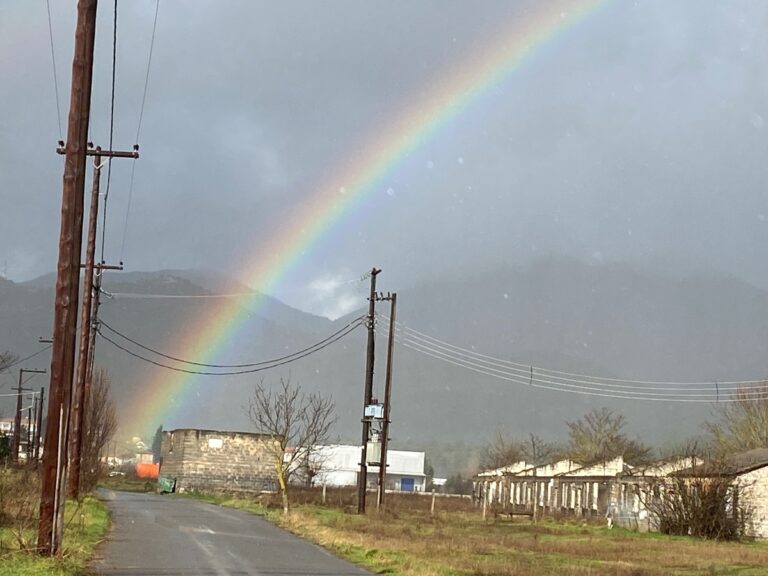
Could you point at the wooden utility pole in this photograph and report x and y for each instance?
(39, 425)
(387, 399)
(362, 479)
(88, 320)
(32, 438)
(29, 429)
(17, 423)
(68, 272)
(80, 396)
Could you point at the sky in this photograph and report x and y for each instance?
(638, 135)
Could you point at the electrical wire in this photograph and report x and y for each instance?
(138, 130)
(142, 296)
(17, 362)
(55, 75)
(542, 381)
(111, 132)
(594, 380)
(245, 365)
(149, 65)
(128, 209)
(234, 373)
(544, 384)
(712, 395)
(530, 376)
(525, 368)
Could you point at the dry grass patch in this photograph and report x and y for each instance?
(412, 543)
(406, 540)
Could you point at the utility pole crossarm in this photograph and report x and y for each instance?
(62, 149)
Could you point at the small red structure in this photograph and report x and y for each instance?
(147, 471)
(145, 468)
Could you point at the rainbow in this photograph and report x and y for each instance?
(361, 174)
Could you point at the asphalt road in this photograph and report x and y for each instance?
(171, 536)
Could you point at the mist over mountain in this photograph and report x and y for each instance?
(612, 321)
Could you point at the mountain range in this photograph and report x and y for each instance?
(611, 320)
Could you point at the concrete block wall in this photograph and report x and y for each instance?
(754, 497)
(212, 460)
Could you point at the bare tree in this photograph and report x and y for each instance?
(295, 422)
(743, 424)
(538, 451)
(99, 428)
(6, 360)
(501, 451)
(598, 436)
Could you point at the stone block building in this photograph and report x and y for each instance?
(217, 461)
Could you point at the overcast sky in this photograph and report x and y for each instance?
(637, 135)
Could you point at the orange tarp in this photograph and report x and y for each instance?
(148, 471)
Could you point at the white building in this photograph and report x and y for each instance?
(339, 465)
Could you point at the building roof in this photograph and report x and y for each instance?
(565, 467)
(750, 460)
(734, 465)
(221, 432)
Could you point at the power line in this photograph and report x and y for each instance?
(547, 385)
(533, 376)
(593, 381)
(233, 373)
(55, 75)
(141, 296)
(149, 66)
(245, 365)
(525, 368)
(127, 210)
(536, 380)
(17, 362)
(111, 131)
(138, 129)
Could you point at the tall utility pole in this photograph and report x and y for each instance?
(16, 440)
(80, 396)
(17, 423)
(32, 438)
(39, 425)
(88, 320)
(387, 399)
(68, 269)
(32, 422)
(362, 479)
(29, 429)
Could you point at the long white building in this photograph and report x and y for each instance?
(338, 465)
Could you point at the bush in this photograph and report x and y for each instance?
(19, 501)
(703, 506)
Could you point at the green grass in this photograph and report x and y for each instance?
(252, 506)
(85, 527)
(128, 484)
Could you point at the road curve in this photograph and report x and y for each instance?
(171, 536)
